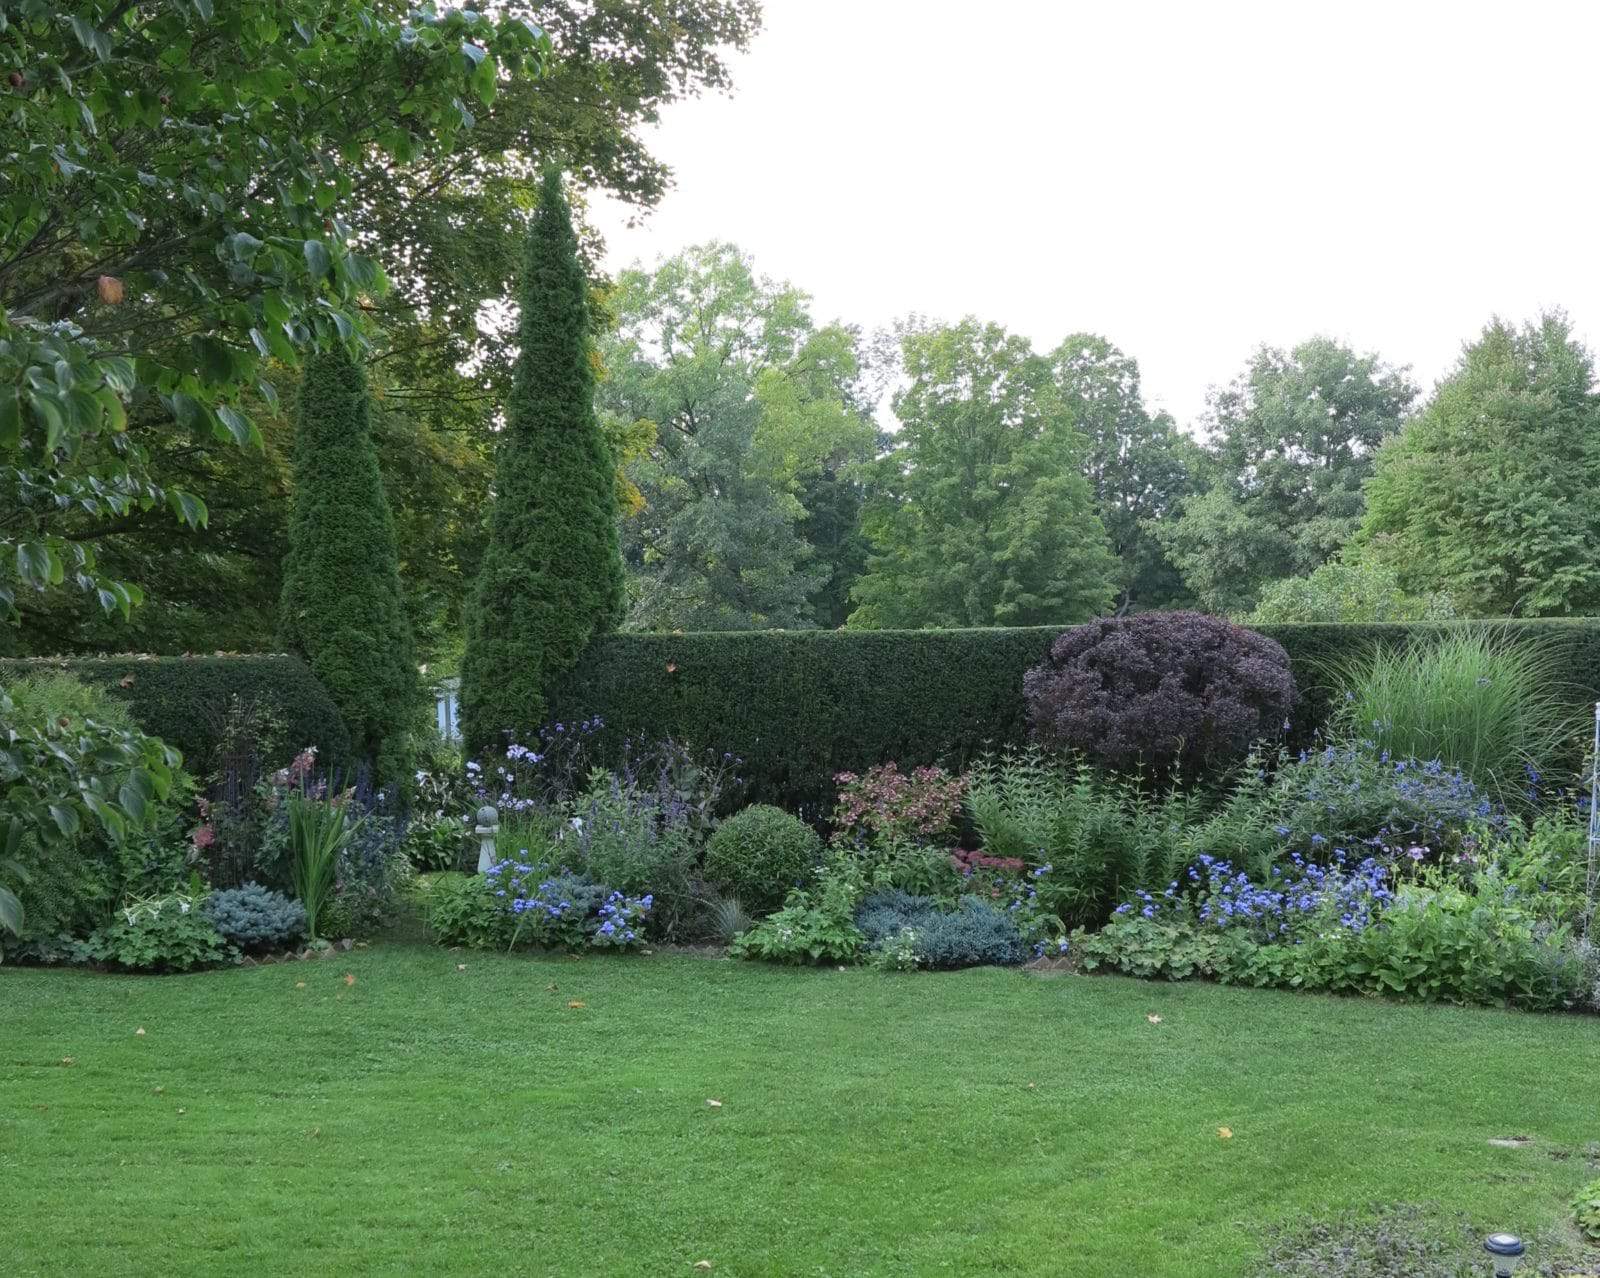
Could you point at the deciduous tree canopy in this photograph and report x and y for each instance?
(981, 514)
(1492, 494)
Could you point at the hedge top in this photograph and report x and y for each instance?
(800, 706)
(182, 699)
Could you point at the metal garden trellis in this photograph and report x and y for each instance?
(1591, 881)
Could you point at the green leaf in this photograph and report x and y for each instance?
(118, 372)
(10, 420)
(213, 359)
(191, 415)
(91, 38)
(187, 507)
(37, 564)
(364, 272)
(484, 82)
(10, 912)
(66, 819)
(317, 259)
(110, 819)
(132, 799)
(239, 426)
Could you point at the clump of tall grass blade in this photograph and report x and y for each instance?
(1478, 700)
(318, 831)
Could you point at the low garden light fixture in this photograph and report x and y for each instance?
(1507, 1251)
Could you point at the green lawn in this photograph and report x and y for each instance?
(428, 1119)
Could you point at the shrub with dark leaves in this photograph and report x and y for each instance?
(256, 919)
(972, 934)
(1172, 691)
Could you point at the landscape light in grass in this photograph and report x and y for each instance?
(1507, 1251)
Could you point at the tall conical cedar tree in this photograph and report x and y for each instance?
(341, 607)
(552, 575)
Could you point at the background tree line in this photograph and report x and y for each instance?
(772, 469)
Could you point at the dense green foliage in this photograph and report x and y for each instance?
(759, 853)
(342, 606)
(90, 809)
(1106, 838)
(1140, 465)
(551, 577)
(747, 519)
(318, 835)
(1436, 943)
(560, 910)
(438, 139)
(815, 925)
(170, 933)
(173, 220)
(980, 513)
(797, 708)
(902, 1138)
(184, 700)
(1586, 1211)
(1291, 441)
(1346, 591)
(1492, 494)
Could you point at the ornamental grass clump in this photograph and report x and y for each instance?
(1477, 701)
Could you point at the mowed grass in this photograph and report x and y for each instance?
(425, 1119)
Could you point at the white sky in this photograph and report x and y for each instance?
(1189, 179)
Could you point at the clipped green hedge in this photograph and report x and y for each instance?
(182, 699)
(799, 706)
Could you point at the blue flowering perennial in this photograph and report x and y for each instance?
(565, 911)
(532, 776)
(1359, 794)
(1303, 895)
